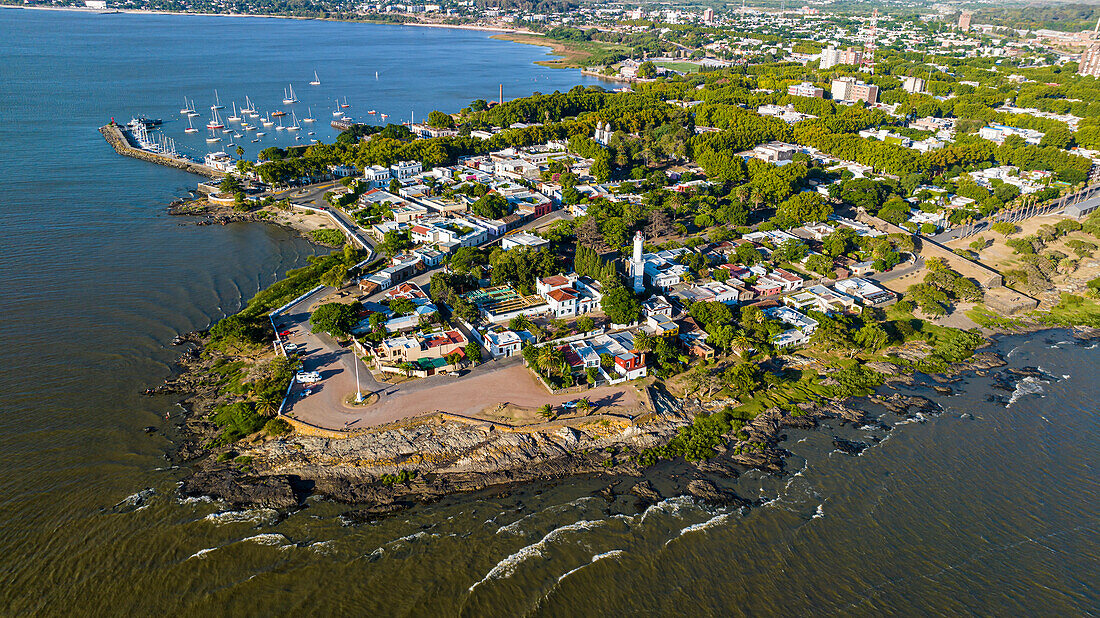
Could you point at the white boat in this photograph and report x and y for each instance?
(215, 122)
(384, 116)
(230, 144)
(191, 113)
(288, 96)
(297, 138)
(345, 104)
(227, 131)
(295, 126)
(186, 107)
(372, 112)
(312, 133)
(217, 102)
(237, 136)
(260, 134)
(190, 127)
(308, 118)
(234, 117)
(337, 111)
(248, 107)
(267, 122)
(316, 80)
(255, 141)
(249, 127)
(213, 138)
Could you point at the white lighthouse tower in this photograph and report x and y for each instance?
(637, 265)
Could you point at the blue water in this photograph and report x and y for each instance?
(991, 513)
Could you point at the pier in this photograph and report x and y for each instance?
(117, 139)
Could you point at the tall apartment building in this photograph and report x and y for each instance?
(1090, 61)
(913, 84)
(708, 16)
(831, 56)
(964, 20)
(849, 89)
(805, 89)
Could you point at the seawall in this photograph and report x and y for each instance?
(114, 136)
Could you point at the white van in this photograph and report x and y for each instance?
(308, 377)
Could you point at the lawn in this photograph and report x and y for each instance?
(683, 67)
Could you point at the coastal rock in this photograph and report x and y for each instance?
(889, 369)
(645, 493)
(709, 493)
(849, 447)
(273, 492)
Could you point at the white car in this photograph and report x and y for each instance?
(308, 377)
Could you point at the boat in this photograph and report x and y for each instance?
(227, 131)
(213, 138)
(277, 113)
(190, 127)
(313, 141)
(266, 122)
(230, 144)
(295, 126)
(260, 134)
(345, 104)
(217, 102)
(312, 133)
(288, 96)
(308, 118)
(191, 113)
(248, 107)
(237, 136)
(297, 138)
(316, 80)
(337, 112)
(215, 122)
(384, 116)
(186, 107)
(371, 112)
(234, 117)
(256, 141)
(249, 127)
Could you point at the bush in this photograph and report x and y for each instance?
(324, 236)
(237, 420)
(277, 427)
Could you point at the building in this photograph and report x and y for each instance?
(1090, 61)
(964, 20)
(831, 56)
(913, 84)
(522, 239)
(851, 89)
(865, 292)
(567, 296)
(502, 343)
(421, 348)
(708, 16)
(377, 176)
(404, 170)
(806, 89)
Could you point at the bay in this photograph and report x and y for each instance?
(983, 509)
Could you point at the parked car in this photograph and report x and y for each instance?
(285, 333)
(290, 347)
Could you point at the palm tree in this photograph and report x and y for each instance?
(267, 404)
(546, 411)
(240, 152)
(584, 406)
(408, 369)
(549, 358)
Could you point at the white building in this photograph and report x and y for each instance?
(522, 239)
(805, 89)
(405, 170)
(377, 176)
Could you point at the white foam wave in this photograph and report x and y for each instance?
(596, 558)
(918, 418)
(196, 500)
(1011, 352)
(322, 547)
(713, 521)
(136, 501)
(270, 538)
(820, 512)
(1027, 386)
(514, 527)
(669, 506)
(201, 554)
(507, 566)
(255, 516)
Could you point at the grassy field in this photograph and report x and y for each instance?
(572, 54)
(683, 67)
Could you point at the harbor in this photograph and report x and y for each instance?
(133, 141)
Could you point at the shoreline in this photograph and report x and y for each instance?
(452, 458)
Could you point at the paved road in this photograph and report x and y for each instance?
(899, 272)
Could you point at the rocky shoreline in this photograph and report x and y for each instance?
(374, 470)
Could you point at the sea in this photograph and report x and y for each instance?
(988, 508)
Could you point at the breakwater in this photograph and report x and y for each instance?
(117, 139)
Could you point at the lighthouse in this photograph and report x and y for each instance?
(637, 265)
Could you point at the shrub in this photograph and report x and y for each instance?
(277, 427)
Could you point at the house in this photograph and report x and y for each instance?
(423, 348)
(865, 292)
(377, 176)
(661, 326)
(405, 170)
(502, 343)
(565, 297)
(522, 239)
(820, 298)
(789, 280)
(657, 304)
(502, 303)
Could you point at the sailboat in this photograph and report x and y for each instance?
(213, 138)
(186, 107)
(316, 80)
(248, 107)
(288, 96)
(234, 117)
(337, 111)
(345, 103)
(308, 118)
(191, 113)
(217, 102)
(190, 127)
(295, 126)
(266, 121)
(215, 122)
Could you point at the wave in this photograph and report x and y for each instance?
(255, 516)
(270, 538)
(596, 558)
(135, 502)
(201, 554)
(513, 528)
(703, 525)
(918, 418)
(507, 566)
(1027, 386)
(669, 506)
(820, 512)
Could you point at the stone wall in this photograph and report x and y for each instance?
(114, 136)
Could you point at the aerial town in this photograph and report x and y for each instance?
(760, 210)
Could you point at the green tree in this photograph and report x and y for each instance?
(620, 305)
(586, 324)
(473, 353)
(230, 185)
(335, 276)
(333, 318)
(439, 120)
(647, 70)
(491, 206)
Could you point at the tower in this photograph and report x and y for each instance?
(964, 20)
(637, 265)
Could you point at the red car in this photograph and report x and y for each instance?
(285, 333)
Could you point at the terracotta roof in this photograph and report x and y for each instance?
(561, 295)
(555, 281)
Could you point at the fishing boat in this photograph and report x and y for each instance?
(277, 113)
(345, 104)
(372, 112)
(308, 118)
(217, 102)
(234, 117)
(190, 127)
(316, 80)
(215, 122)
(288, 96)
(248, 107)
